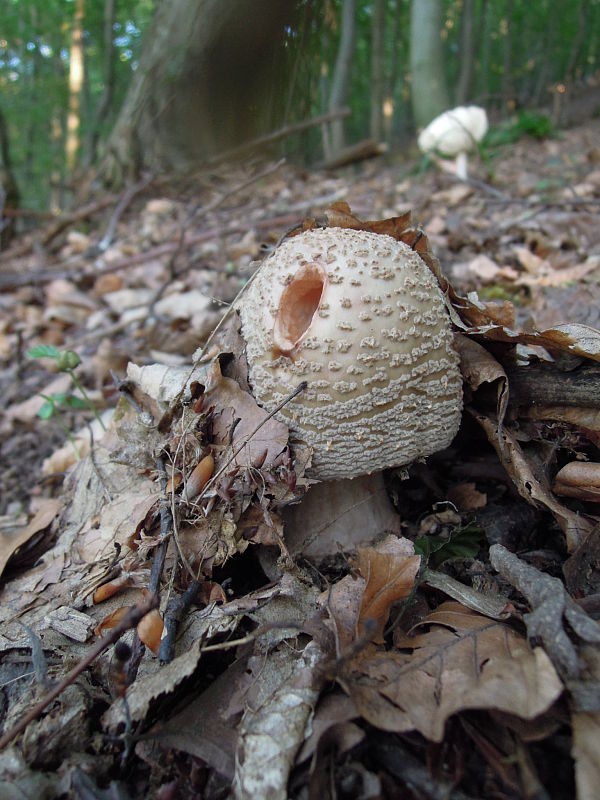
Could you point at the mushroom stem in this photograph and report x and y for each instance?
(462, 172)
(350, 512)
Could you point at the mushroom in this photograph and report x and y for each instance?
(361, 318)
(455, 133)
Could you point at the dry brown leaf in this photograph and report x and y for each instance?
(466, 496)
(464, 661)
(586, 754)
(529, 261)
(239, 405)
(10, 541)
(575, 526)
(573, 338)
(479, 367)
(580, 479)
(390, 570)
(554, 614)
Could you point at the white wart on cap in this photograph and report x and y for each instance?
(361, 318)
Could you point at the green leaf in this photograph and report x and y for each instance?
(47, 410)
(461, 543)
(43, 351)
(72, 401)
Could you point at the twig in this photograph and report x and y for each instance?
(74, 216)
(158, 563)
(175, 612)
(130, 620)
(123, 203)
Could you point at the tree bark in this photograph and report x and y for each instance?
(9, 192)
(200, 86)
(341, 73)
(507, 82)
(108, 89)
(429, 91)
(467, 53)
(377, 73)
(75, 85)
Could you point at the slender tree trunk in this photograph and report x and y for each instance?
(507, 82)
(467, 53)
(483, 34)
(108, 89)
(9, 192)
(377, 68)
(75, 85)
(201, 85)
(542, 79)
(341, 72)
(429, 91)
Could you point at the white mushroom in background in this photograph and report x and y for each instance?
(455, 133)
(361, 318)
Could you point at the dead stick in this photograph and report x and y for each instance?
(130, 620)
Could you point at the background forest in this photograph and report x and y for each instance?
(73, 71)
(185, 612)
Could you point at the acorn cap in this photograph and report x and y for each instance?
(361, 318)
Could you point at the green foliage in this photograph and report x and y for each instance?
(461, 543)
(61, 400)
(34, 68)
(526, 123)
(66, 361)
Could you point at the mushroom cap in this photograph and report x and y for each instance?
(454, 131)
(361, 318)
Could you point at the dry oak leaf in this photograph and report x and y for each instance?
(464, 661)
(10, 541)
(390, 570)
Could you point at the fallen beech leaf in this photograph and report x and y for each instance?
(579, 479)
(11, 541)
(390, 572)
(150, 630)
(463, 661)
(111, 620)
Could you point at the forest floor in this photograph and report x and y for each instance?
(476, 672)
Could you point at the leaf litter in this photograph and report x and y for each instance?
(275, 686)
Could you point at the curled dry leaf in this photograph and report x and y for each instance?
(462, 661)
(579, 479)
(530, 487)
(10, 541)
(111, 621)
(107, 590)
(150, 630)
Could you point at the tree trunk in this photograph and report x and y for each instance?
(429, 92)
(467, 53)
(200, 86)
(108, 89)
(507, 82)
(341, 73)
(75, 85)
(9, 193)
(377, 74)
